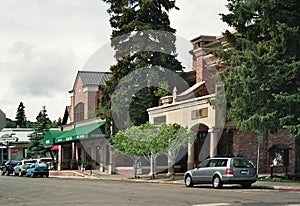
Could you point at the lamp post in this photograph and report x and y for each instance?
(259, 140)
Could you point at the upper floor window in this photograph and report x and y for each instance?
(79, 112)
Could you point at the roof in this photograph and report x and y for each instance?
(93, 78)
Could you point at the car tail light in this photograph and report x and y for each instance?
(229, 171)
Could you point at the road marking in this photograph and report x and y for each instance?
(212, 204)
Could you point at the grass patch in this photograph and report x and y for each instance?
(280, 180)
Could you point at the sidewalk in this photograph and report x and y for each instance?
(161, 178)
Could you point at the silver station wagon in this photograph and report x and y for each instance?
(222, 170)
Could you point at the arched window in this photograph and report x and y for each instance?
(79, 112)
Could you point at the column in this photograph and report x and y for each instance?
(191, 151)
(111, 166)
(59, 157)
(214, 139)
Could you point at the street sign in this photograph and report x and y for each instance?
(14, 150)
(260, 138)
(2, 120)
(8, 139)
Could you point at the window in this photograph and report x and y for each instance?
(222, 163)
(212, 163)
(159, 120)
(199, 113)
(203, 164)
(79, 112)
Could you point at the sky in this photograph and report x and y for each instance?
(43, 44)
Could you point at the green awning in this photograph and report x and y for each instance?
(49, 137)
(88, 131)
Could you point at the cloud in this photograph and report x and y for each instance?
(38, 72)
(45, 43)
(33, 74)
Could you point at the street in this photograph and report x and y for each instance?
(71, 191)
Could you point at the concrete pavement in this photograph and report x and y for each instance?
(162, 178)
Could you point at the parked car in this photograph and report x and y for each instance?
(38, 169)
(8, 167)
(222, 170)
(22, 166)
(50, 162)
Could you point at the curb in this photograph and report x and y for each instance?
(165, 181)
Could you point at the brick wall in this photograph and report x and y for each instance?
(203, 73)
(245, 143)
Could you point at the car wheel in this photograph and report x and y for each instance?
(246, 185)
(217, 182)
(20, 174)
(14, 173)
(3, 172)
(32, 175)
(188, 181)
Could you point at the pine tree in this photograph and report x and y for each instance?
(141, 31)
(41, 126)
(20, 116)
(262, 81)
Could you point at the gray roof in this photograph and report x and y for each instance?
(93, 78)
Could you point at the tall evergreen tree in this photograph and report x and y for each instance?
(41, 126)
(20, 116)
(142, 38)
(262, 81)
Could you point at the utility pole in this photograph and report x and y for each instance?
(259, 140)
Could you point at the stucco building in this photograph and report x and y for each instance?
(192, 109)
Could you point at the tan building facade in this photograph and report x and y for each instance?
(196, 113)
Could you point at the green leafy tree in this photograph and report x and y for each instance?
(136, 49)
(174, 137)
(130, 142)
(262, 79)
(41, 126)
(20, 116)
(149, 141)
(56, 123)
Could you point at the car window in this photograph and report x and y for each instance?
(203, 164)
(30, 161)
(221, 163)
(243, 163)
(212, 163)
(42, 165)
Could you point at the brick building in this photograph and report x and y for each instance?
(82, 140)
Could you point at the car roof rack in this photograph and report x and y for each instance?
(230, 155)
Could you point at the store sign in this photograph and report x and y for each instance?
(14, 150)
(8, 139)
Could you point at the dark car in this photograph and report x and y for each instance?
(8, 167)
(222, 170)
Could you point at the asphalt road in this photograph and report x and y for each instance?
(58, 191)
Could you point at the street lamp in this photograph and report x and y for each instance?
(259, 140)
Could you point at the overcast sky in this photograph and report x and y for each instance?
(44, 43)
